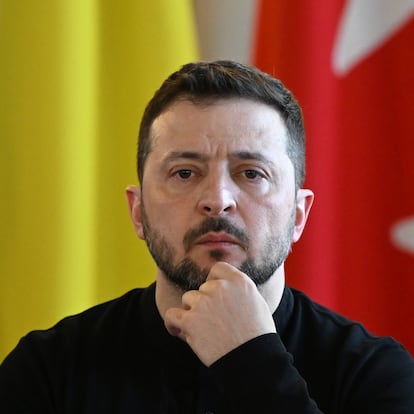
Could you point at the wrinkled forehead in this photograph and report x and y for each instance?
(229, 119)
(221, 126)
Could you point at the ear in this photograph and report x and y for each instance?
(133, 194)
(304, 200)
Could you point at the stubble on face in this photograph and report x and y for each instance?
(188, 275)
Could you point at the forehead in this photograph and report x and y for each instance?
(220, 126)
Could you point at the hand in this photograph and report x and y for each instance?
(224, 313)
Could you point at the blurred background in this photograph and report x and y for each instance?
(75, 76)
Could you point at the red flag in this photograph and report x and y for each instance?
(351, 66)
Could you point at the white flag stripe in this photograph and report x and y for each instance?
(402, 235)
(365, 25)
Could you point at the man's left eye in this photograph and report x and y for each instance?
(252, 174)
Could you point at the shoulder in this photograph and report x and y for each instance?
(99, 324)
(315, 315)
(57, 364)
(122, 306)
(341, 355)
(336, 335)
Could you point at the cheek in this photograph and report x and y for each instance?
(270, 216)
(167, 217)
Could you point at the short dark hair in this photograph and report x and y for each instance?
(207, 82)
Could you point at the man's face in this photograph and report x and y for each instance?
(218, 186)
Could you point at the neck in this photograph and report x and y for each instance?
(168, 295)
(272, 290)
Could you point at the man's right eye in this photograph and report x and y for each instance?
(184, 174)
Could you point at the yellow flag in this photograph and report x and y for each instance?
(75, 76)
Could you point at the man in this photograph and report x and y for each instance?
(221, 168)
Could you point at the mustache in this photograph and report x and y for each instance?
(215, 224)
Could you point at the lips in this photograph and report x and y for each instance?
(217, 239)
(215, 232)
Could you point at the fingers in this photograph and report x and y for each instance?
(172, 321)
(174, 317)
(225, 312)
(221, 275)
(225, 271)
(220, 270)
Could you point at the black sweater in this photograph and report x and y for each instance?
(117, 357)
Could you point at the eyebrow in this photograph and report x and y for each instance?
(248, 155)
(241, 155)
(192, 155)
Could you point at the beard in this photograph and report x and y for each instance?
(188, 275)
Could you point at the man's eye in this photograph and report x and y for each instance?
(252, 174)
(184, 174)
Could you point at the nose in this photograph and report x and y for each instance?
(218, 196)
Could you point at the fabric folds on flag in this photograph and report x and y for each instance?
(74, 78)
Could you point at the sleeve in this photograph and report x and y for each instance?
(260, 376)
(24, 382)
